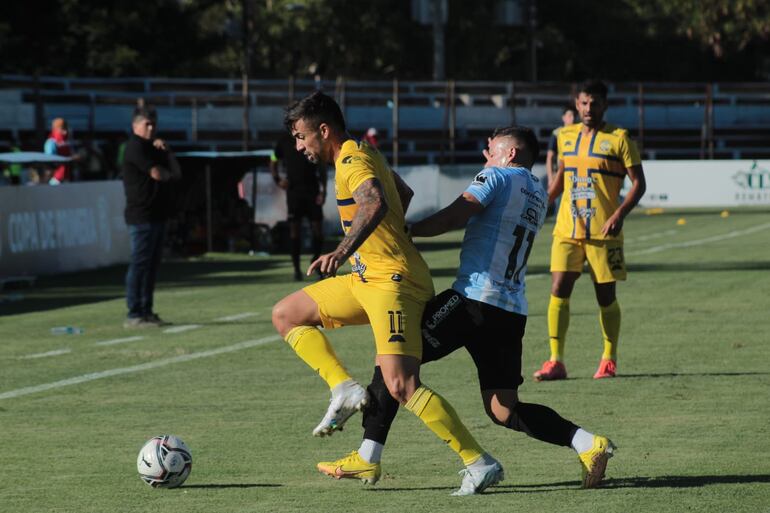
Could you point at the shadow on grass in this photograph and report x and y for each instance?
(232, 485)
(683, 374)
(93, 286)
(700, 267)
(631, 482)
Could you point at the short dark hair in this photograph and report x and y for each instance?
(316, 108)
(525, 140)
(146, 112)
(572, 109)
(594, 88)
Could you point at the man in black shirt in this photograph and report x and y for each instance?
(305, 186)
(148, 168)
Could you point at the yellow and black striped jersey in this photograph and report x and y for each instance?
(594, 171)
(388, 257)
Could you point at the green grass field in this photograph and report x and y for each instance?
(689, 410)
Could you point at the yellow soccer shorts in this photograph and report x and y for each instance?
(605, 258)
(395, 317)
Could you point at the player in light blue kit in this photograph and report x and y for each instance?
(485, 311)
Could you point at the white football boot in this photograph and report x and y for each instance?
(347, 398)
(479, 476)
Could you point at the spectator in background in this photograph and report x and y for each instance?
(149, 168)
(14, 171)
(58, 144)
(569, 117)
(371, 137)
(305, 186)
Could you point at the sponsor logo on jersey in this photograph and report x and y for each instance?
(531, 216)
(480, 179)
(578, 193)
(582, 179)
(397, 338)
(350, 158)
(583, 212)
(359, 267)
(440, 314)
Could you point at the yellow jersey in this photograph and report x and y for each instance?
(387, 258)
(594, 171)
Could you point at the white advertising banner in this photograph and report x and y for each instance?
(706, 183)
(49, 230)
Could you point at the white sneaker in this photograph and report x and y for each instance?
(476, 480)
(347, 398)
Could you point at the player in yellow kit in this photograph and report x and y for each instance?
(388, 288)
(594, 160)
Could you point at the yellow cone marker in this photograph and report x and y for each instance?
(725, 213)
(681, 221)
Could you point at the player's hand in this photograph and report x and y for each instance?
(613, 225)
(319, 200)
(327, 264)
(160, 144)
(283, 183)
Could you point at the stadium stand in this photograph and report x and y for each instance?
(438, 122)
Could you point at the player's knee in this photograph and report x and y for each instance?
(281, 317)
(397, 387)
(498, 417)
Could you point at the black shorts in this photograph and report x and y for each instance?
(303, 206)
(491, 335)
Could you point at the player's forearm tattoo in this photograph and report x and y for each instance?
(372, 208)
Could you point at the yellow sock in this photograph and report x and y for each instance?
(609, 319)
(442, 419)
(313, 347)
(558, 322)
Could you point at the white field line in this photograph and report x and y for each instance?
(57, 352)
(182, 329)
(137, 368)
(237, 317)
(650, 236)
(700, 242)
(118, 341)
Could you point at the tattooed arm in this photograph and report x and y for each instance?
(370, 200)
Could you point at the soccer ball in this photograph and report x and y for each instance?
(164, 462)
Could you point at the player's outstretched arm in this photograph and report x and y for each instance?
(638, 187)
(372, 208)
(452, 217)
(556, 186)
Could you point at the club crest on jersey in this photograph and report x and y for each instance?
(480, 179)
(396, 277)
(605, 146)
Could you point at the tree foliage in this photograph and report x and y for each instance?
(666, 40)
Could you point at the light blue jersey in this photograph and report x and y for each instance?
(498, 240)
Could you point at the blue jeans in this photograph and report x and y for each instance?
(146, 251)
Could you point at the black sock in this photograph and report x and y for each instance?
(542, 423)
(381, 410)
(318, 243)
(296, 245)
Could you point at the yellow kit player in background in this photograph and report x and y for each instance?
(594, 160)
(387, 289)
